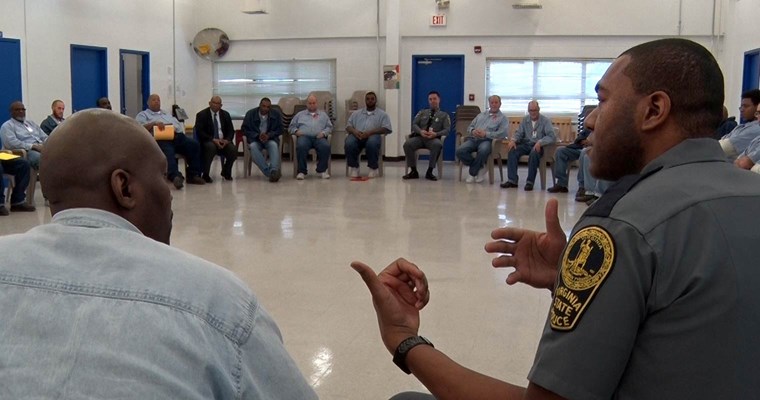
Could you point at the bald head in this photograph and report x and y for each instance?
(154, 102)
(311, 103)
(215, 104)
(104, 160)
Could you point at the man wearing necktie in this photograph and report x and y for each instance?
(214, 130)
(427, 128)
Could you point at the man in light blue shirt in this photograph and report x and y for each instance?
(487, 126)
(750, 158)
(154, 118)
(737, 140)
(312, 127)
(535, 132)
(21, 133)
(366, 128)
(96, 303)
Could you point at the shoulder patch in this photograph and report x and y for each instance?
(587, 261)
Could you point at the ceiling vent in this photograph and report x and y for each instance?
(527, 5)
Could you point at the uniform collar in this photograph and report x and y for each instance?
(688, 151)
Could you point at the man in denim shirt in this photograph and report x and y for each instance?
(489, 125)
(97, 305)
(535, 132)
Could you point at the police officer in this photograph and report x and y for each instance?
(644, 305)
(427, 128)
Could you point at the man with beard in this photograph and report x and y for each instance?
(644, 305)
(96, 303)
(21, 133)
(54, 119)
(366, 128)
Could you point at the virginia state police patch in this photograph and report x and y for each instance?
(587, 261)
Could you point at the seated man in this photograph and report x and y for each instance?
(535, 132)
(427, 128)
(726, 126)
(21, 133)
(263, 128)
(311, 128)
(487, 126)
(116, 312)
(562, 159)
(52, 121)
(750, 158)
(153, 118)
(216, 134)
(19, 168)
(104, 103)
(366, 128)
(590, 188)
(737, 141)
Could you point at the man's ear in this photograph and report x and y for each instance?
(122, 186)
(657, 111)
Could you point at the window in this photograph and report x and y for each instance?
(560, 86)
(242, 85)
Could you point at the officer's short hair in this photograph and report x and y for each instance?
(688, 73)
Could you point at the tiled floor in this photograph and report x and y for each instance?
(292, 242)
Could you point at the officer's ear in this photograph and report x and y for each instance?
(655, 111)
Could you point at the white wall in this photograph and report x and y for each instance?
(345, 30)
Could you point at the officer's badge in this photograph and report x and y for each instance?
(587, 261)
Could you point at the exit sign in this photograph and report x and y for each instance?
(438, 20)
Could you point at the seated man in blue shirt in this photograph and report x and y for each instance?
(263, 128)
(750, 158)
(99, 306)
(23, 134)
(740, 137)
(366, 128)
(487, 126)
(153, 117)
(535, 132)
(311, 128)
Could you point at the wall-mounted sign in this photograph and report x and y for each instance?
(438, 20)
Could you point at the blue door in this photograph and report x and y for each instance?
(89, 76)
(444, 74)
(10, 75)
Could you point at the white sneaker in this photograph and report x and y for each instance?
(373, 173)
(481, 176)
(300, 176)
(325, 175)
(470, 179)
(353, 172)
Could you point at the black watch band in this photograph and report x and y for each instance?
(399, 356)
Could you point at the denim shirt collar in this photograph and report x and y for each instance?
(93, 218)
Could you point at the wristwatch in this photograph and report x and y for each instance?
(399, 356)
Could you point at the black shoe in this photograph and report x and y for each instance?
(508, 185)
(411, 175)
(196, 180)
(429, 176)
(23, 207)
(592, 200)
(581, 192)
(557, 189)
(584, 198)
(208, 179)
(227, 177)
(4, 211)
(275, 175)
(528, 187)
(178, 182)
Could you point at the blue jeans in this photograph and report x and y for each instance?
(33, 156)
(562, 159)
(514, 157)
(20, 169)
(472, 145)
(186, 146)
(592, 185)
(272, 147)
(354, 146)
(304, 144)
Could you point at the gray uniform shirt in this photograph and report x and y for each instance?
(440, 124)
(657, 295)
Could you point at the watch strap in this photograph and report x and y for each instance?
(399, 356)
